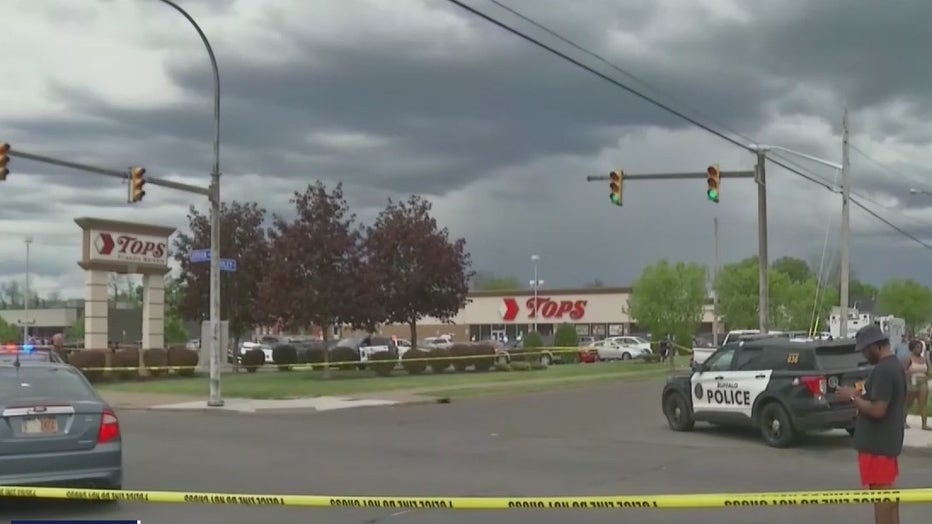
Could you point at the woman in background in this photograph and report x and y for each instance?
(917, 382)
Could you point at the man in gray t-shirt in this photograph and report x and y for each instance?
(878, 431)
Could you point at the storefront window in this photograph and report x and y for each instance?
(582, 330)
(616, 330)
(545, 330)
(598, 330)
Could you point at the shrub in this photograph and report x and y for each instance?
(566, 337)
(485, 354)
(383, 363)
(416, 366)
(460, 354)
(439, 360)
(180, 356)
(125, 358)
(155, 358)
(533, 340)
(347, 355)
(253, 359)
(314, 356)
(651, 358)
(520, 366)
(89, 361)
(566, 340)
(285, 356)
(502, 366)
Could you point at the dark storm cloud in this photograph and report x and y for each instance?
(460, 118)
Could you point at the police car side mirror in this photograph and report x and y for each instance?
(697, 367)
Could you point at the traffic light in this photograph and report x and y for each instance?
(4, 160)
(714, 182)
(616, 186)
(137, 183)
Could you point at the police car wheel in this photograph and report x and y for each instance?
(679, 415)
(626, 356)
(775, 426)
(545, 360)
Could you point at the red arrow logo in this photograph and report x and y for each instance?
(105, 244)
(511, 309)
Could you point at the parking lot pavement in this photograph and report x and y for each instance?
(609, 439)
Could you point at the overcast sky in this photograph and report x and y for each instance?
(393, 97)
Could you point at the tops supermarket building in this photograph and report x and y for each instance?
(598, 312)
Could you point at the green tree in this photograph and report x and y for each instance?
(75, 331)
(9, 333)
(533, 340)
(175, 333)
(668, 299)
(906, 299)
(794, 304)
(796, 269)
(566, 337)
(485, 281)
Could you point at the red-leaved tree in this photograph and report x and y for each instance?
(420, 271)
(316, 275)
(242, 238)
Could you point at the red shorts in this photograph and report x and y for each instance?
(877, 470)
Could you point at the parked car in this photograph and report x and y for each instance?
(247, 346)
(635, 343)
(56, 431)
(441, 342)
(612, 349)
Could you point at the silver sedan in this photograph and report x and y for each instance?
(55, 428)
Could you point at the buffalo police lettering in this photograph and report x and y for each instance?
(728, 393)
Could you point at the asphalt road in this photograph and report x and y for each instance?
(609, 439)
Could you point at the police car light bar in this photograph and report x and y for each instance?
(18, 348)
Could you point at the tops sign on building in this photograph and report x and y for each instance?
(544, 307)
(110, 246)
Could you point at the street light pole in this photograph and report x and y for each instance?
(215, 399)
(534, 259)
(26, 321)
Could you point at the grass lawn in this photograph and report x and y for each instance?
(279, 385)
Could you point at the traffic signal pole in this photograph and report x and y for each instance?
(115, 173)
(673, 176)
(759, 175)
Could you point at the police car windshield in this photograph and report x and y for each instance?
(32, 382)
(840, 357)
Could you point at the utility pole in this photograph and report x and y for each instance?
(845, 231)
(715, 286)
(26, 320)
(763, 304)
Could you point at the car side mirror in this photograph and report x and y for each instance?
(697, 367)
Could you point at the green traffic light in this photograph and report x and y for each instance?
(616, 199)
(713, 195)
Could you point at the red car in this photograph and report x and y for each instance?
(588, 355)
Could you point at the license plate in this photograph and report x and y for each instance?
(859, 387)
(39, 426)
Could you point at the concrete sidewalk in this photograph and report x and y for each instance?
(916, 439)
(160, 402)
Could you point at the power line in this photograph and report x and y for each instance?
(783, 162)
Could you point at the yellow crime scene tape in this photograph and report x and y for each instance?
(684, 501)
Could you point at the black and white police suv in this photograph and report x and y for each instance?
(783, 388)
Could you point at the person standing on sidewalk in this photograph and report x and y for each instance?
(917, 374)
(878, 430)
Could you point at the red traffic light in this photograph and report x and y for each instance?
(4, 160)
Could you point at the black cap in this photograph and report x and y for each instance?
(868, 336)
